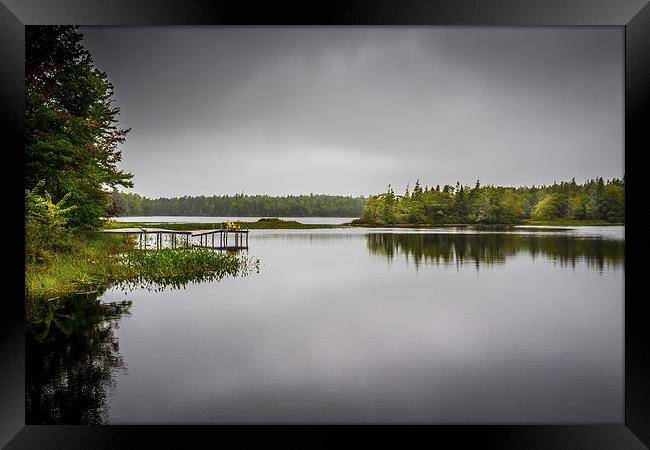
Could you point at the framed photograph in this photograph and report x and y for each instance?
(401, 219)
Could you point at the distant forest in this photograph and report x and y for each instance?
(241, 205)
(595, 199)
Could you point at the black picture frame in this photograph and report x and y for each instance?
(634, 15)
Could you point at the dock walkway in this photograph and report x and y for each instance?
(220, 239)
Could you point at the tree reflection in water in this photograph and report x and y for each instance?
(72, 355)
(495, 248)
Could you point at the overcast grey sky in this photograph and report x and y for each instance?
(285, 110)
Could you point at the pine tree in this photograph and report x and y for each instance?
(71, 125)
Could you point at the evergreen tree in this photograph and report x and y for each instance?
(71, 124)
(417, 190)
(595, 199)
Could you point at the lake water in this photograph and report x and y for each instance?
(218, 219)
(353, 326)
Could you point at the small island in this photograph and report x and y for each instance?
(595, 202)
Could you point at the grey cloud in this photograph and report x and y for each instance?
(348, 110)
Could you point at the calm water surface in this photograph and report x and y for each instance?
(217, 219)
(379, 326)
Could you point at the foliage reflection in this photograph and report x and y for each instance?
(72, 355)
(495, 248)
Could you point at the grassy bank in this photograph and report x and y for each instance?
(278, 224)
(94, 260)
(262, 224)
(570, 222)
(420, 225)
(527, 222)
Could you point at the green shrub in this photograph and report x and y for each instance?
(45, 223)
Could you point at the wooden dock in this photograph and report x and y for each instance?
(156, 238)
(239, 239)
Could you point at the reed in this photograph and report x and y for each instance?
(94, 261)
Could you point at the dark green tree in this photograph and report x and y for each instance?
(595, 206)
(461, 204)
(595, 199)
(613, 203)
(71, 124)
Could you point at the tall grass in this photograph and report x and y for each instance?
(261, 224)
(174, 266)
(571, 222)
(94, 260)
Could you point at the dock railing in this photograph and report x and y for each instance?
(216, 239)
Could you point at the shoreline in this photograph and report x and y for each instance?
(95, 261)
(280, 224)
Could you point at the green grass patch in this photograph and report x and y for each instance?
(360, 223)
(554, 222)
(95, 260)
(569, 222)
(180, 266)
(261, 224)
(88, 262)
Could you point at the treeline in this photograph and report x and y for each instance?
(242, 205)
(595, 199)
